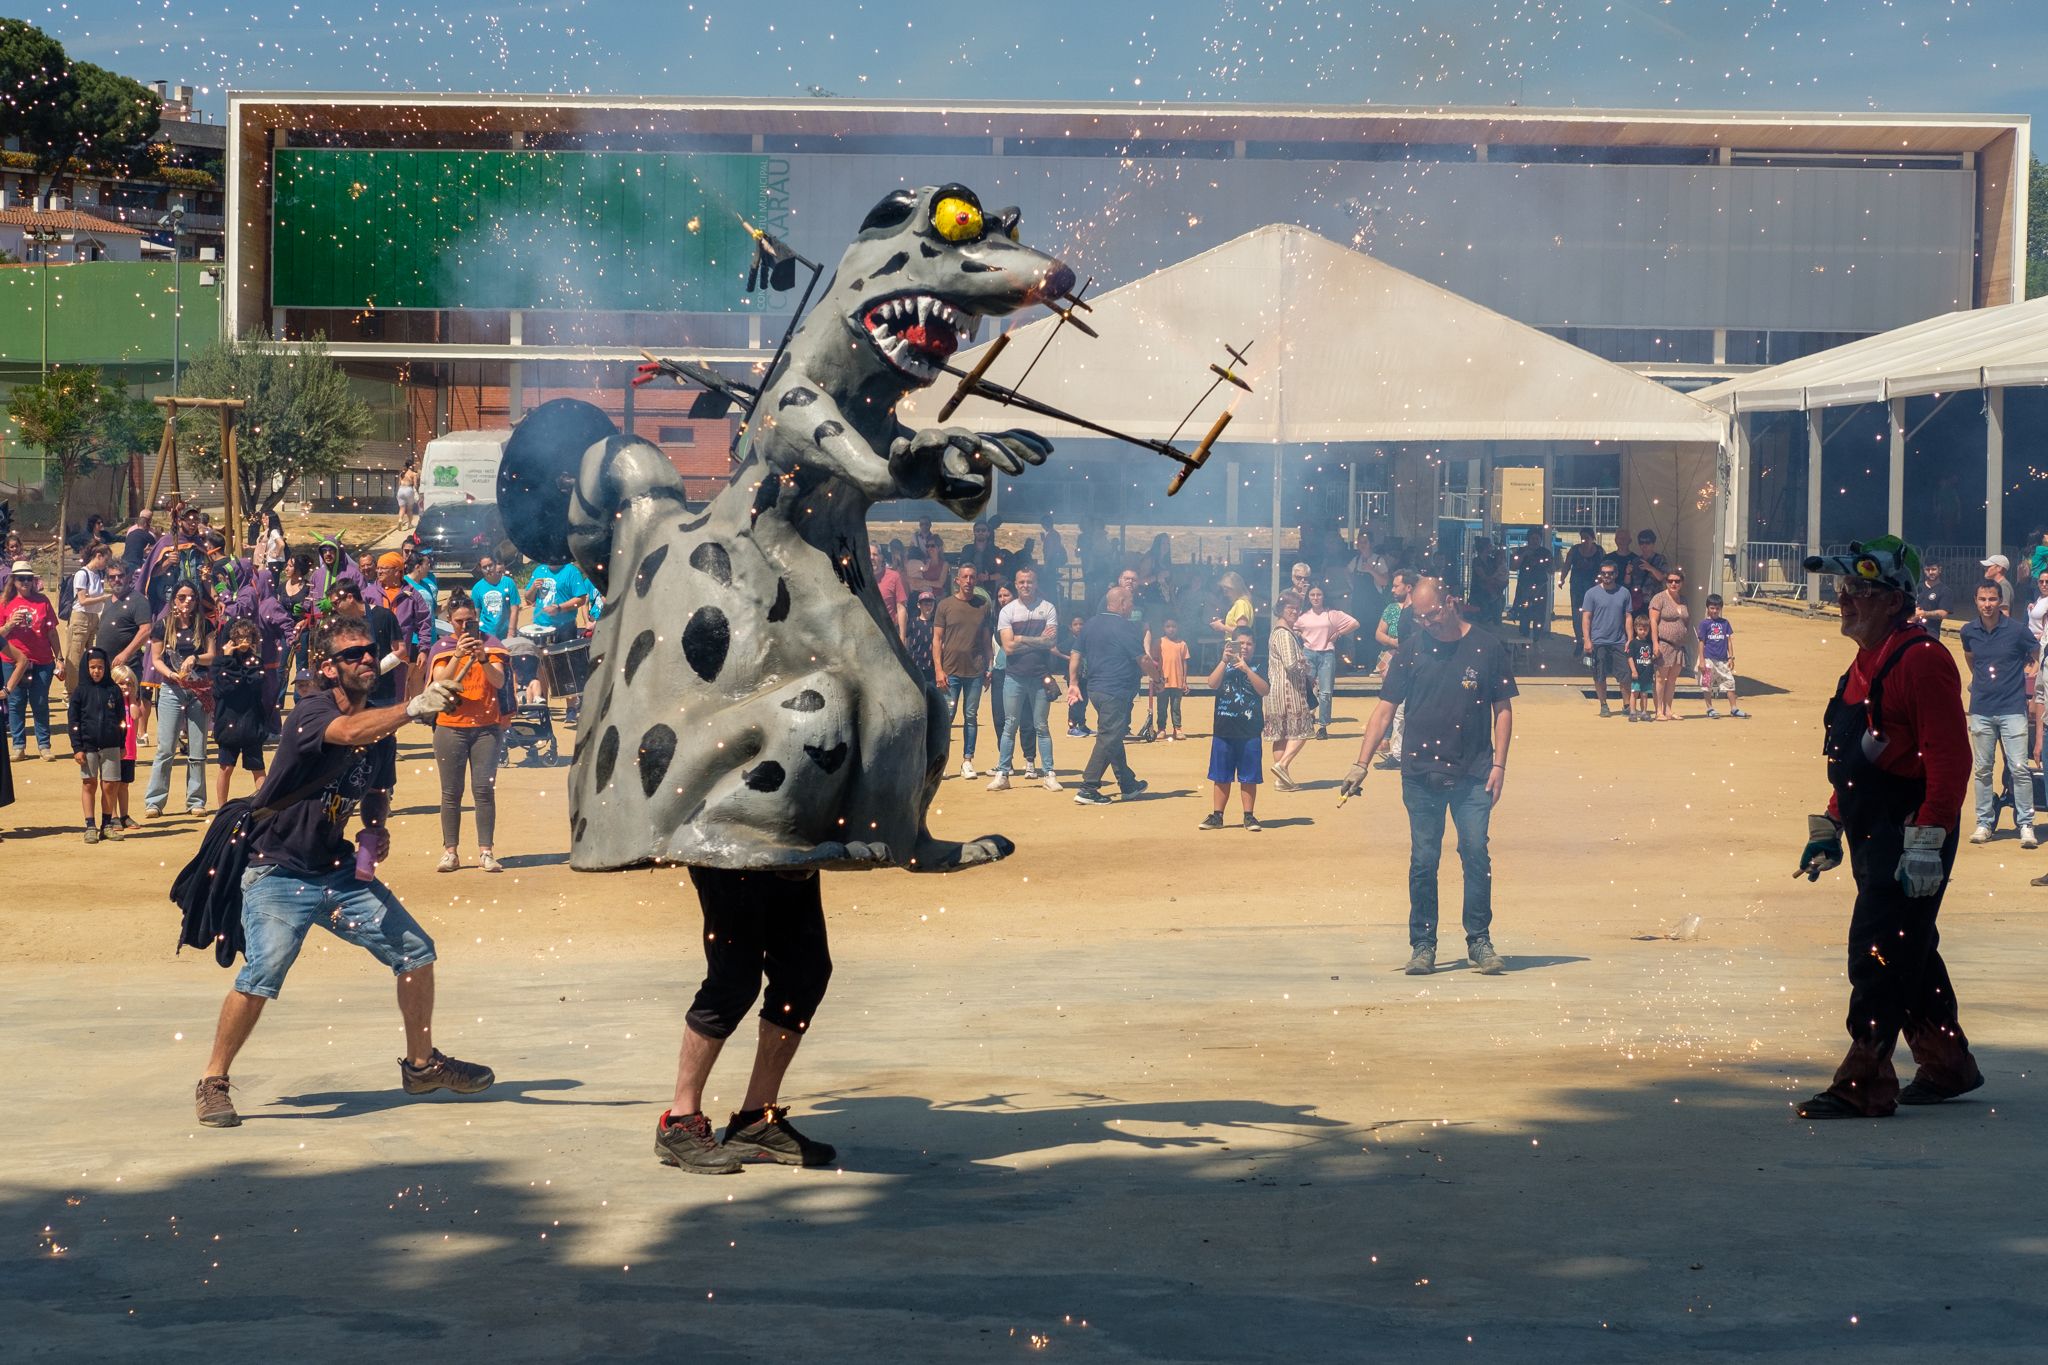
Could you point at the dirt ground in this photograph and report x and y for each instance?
(1137, 1094)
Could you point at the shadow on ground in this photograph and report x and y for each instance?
(1632, 1221)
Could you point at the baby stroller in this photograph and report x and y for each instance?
(527, 727)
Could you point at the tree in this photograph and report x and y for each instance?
(113, 120)
(2037, 230)
(80, 422)
(301, 416)
(38, 92)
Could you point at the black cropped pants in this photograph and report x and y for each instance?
(756, 925)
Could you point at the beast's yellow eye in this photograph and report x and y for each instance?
(956, 219)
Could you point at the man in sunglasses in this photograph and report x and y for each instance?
(304, 870)
(1898, 757)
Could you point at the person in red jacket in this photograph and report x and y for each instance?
(1898, 755)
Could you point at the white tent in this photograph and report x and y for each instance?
(1348, 349)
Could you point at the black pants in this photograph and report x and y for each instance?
(1167, 708)
(755, 924)
(1112, 723)
(1897, 980)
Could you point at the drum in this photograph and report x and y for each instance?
(567, 667)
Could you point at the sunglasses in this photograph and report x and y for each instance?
(354, 654)
(1856, 587)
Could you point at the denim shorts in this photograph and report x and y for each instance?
(1234, 760)
(278, 908)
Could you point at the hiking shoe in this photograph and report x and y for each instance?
(1251, 823)
(1920, 1092)
(1089, 796)
(1000, 783)
(92, 834)
(1136, 790)
(1485, 960)
(110, 830)
(1982, 836)
(967, 769)
(766, 1134)
(450, 861)
(210, 1100)
(1421, 962)
(487, 862)
(1283, 779)
(443, 1072)
(1213, 820)
(1050, 783)
(1604, 712)
(686, 1143)
(2028, 839)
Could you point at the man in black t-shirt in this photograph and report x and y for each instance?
(1932, 601)
(1112, 649)
(125, 624)
(1458, 688)
(303, 870)
(382, 625)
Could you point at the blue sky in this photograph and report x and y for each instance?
(1985, 56)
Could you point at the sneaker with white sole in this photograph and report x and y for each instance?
(2028, 839)
(967, 770)
(1050, 783)
(1000, 782)
(1982, 836)
(1091, 797)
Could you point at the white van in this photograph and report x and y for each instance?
(461, 466)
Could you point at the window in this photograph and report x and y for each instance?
(677, 436)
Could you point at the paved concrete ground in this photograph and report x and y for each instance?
(1138, 1094)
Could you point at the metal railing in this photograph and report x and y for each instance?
(1772, 568)
(1465, 504)
(1599, 508)
(1373, 507)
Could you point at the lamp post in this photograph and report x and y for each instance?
(44, 236)
(175, 221)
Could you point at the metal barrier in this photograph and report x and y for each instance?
(1462, 504)
(1772, 568)
(1599, 508)
(1373, 507)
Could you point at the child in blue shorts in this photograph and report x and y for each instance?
(1239, 721)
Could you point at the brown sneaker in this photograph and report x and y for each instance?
(443, 1072)
(766, 1134)
(210, 1100)
(686, 1143)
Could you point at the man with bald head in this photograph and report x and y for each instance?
(1459, 692)
(1113, 646)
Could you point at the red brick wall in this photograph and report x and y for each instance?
(704, 461)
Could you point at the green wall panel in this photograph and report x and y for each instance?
(104, 312)
(569, 231)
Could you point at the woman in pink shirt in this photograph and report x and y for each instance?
(1320, 628)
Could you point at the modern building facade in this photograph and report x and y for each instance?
(475, 249)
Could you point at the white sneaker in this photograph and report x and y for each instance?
(1051, 783)
(1001, 783)
(2027, 839)
(967, 769)
(1982, 836)
(1031, 774)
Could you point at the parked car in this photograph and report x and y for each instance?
(458, 534)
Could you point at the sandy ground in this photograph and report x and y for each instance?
(1139, 1093)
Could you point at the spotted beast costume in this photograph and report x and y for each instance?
(750, 710)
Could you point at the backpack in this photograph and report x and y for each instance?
(208, 890)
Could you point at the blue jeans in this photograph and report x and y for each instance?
(1325, 661)
(965, 694)
(1988, 734)
(34, 693)
(1470, 808)
(175, 705)
(278, 908)
(1024, 697)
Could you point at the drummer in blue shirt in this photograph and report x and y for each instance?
(556, 592)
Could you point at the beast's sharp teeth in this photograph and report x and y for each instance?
(924, 309)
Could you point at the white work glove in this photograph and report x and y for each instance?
(1823, 851)
(1920, 864)
(433, 699)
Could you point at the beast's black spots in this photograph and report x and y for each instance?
(779, 611)
(977, 268)
(657, 751)
(826, 431)
(689, 524)
(705, 640)
(894, 211)
(765, 494)
(798, 397)
(643, 645)
(649, 566)
(892, 265)
(850, 564)
(931, 253)
(607, 757)
(711, 558)
(806, 700)
(764, 777)
(828, 760)
(582, 823)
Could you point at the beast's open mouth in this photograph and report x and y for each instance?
(916, 333)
